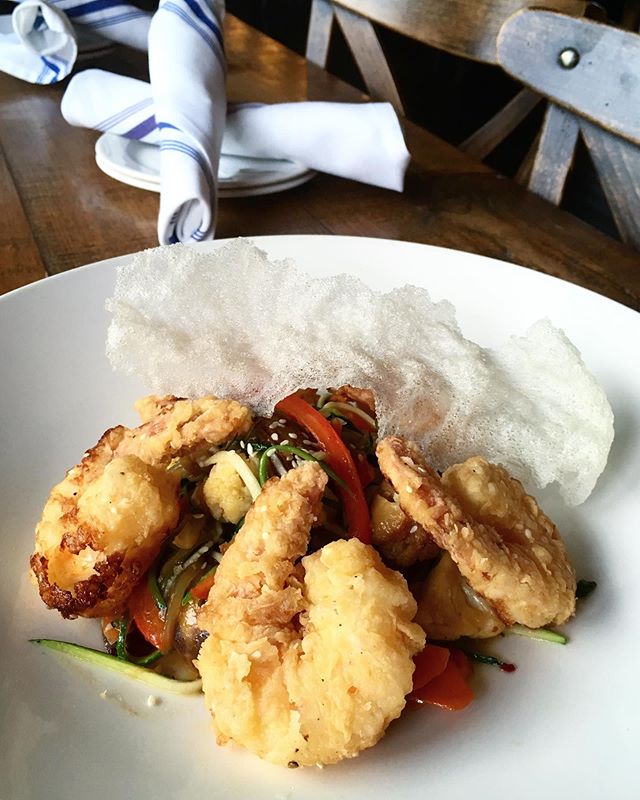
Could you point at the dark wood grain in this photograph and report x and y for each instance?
(618, 165)
(554, 154)
(465, 27)
(75, 214)
(20, 261)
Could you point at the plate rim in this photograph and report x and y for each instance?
(107, 136)
(533, 274)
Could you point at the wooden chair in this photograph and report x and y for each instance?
(467, 28)
(537, 47)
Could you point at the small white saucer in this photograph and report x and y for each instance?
(138, 164)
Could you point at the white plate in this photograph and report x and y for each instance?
(138, 164)
(565, 725)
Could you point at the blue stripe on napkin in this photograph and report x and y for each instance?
(142, 129)
(209, 21)
(103, 23)
(122, 115)
(94, 5)
(194, 22)
(187, 149)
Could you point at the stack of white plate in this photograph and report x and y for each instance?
(138, 164)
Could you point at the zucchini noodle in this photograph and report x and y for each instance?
(340, 408)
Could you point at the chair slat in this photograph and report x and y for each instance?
(554, 154)
(367, 51)
(465, 27)
(604, 85)
(488, 137)
(618, 165)
(319, 34)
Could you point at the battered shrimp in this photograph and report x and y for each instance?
(448, 608)
(305, 663)
(103, 525)
(510, 553)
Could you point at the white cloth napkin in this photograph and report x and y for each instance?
(360, 141)
(38, 42)
(187, 68)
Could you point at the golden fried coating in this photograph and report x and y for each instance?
(448, 608)
(400, 540)
(304, 663)
(103, 525)
(364, 398)
(507, 549)
(183, 427)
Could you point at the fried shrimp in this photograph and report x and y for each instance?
(448, 608)
(103, 525)
(510, 553)
(305, 663)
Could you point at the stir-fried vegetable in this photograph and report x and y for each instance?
(146, 614)
(162, 607)
(339, 459)
(356, 416)
(440, 678)
(448, 690)
(126, 668)
(544, 634)
(304, 455)
(430, 663)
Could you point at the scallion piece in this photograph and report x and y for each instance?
(340, 409)
(544, 634)
(121, 645)
(113, 664)
(154, 588)
(263, 465)
(144, 661)
(480, 658)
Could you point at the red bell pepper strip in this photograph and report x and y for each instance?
(201, 590)
(338, 458)
(366, 472)
(146, 614)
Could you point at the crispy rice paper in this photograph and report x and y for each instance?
(235, 324)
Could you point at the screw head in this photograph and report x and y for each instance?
(569, 58)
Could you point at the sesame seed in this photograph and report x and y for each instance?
(284, 441)
(273, 425)
(292, 435)
(307, 441)
(250, 449)
(282, 421)
(241, 444)
(413, 529)
(274, 437)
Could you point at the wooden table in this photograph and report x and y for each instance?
(59, 211)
